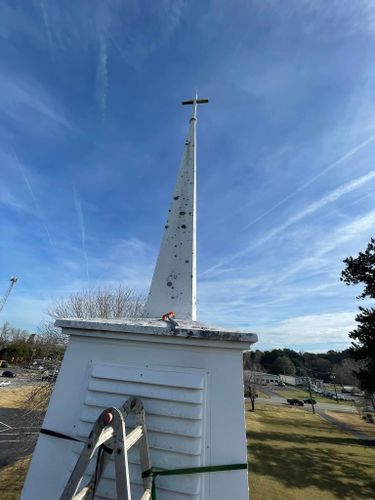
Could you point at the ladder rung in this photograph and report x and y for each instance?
(81, 494)
(105, 435)
(146, 495)
(134, 436)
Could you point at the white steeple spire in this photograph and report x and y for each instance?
(173, 286)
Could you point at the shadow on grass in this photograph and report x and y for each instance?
(298, 438)
(326, 469)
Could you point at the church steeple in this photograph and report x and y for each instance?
(173, 286)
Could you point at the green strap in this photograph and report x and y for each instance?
(153, 473)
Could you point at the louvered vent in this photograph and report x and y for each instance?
(174, 399)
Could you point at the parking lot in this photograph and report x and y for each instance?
(24, 376)
(19, 427)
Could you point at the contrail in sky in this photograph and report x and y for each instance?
(310, 209)
(102, 75)
(322, 202)
(313, 179)
(47, 26)
(78, 206)
(35, 201)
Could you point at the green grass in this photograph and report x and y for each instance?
(295, 455)
(302, 394)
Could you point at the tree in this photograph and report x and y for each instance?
(321, 366)
(110, 303)
(284, 365)
(344, 372)
(251, 378)
(361, 269)
(121, 302)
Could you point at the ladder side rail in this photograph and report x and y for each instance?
(82, 463)
(103, 461)
(121, 456)
(144, 450)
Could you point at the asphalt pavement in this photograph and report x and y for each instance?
(19, 431)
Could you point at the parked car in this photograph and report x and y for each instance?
(8, 374)
(310, 401)
(297, 402)
(49, 377)
(281, 384)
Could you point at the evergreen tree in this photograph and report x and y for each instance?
(358, 270)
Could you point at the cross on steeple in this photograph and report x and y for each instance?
(194, 102)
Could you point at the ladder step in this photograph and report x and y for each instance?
(110, 430)
(105, 435)
(134, 436)
(81, 494)
(146, 495)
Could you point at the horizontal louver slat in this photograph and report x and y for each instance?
(174, 403)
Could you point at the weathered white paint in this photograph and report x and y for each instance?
(190, 384)
(173, 286)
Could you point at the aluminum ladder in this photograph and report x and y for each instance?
(108, 436)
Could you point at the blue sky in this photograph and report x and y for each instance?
(92, 130)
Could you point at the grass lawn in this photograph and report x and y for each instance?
(294, 455)
(262, 394)
(355, 421)
(302, 394)
(12, 478)
(15, 398)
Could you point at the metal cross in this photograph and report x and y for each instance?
(194, 102)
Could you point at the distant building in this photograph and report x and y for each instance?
(288, 379)
(317, 383)
(265, 378)
(292, 380)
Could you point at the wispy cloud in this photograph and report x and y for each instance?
(102, 75)
(47, 26)
(7, 199)
(34, 199)
(81, 222)
(19, 96)
(328, 328)
(308, 183)
(329, 198)
(317, 260)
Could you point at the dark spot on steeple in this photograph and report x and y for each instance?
(182, 213)
(169, 283)
(183, 226)
(176, 198)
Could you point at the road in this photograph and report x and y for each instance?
(274, 398)
(321, 409)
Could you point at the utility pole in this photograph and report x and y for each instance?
(311, 398)
(333, 377)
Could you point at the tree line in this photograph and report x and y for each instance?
(19, 346)
(324, 366)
